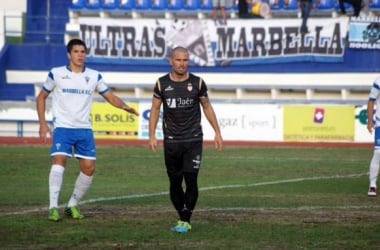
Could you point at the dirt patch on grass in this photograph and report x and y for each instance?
(312, 215)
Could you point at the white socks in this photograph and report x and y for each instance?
(82, 184)
(374, 168)
(55, 183)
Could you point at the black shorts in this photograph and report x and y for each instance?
(183, 157)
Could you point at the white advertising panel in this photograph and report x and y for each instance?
(144, 110)
(246, 122)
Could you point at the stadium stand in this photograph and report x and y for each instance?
(375, 4)
(146, 8)
(197, 8)
(325, 5)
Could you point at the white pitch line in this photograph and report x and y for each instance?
(284, 181)
(132, 196)
(301, 208)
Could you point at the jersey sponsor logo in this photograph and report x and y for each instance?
(185, 102)
(179, 102)
(77, 91)
(171, 102)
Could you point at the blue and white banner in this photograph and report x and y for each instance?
(364, 33)
(239, 42)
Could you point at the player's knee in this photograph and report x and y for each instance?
(88, 168)
(59, 160)
(191, 180)
(175, 180)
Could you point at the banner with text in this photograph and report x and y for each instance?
(238, 122)
(113, 123)
(240, 42)
(319, 123)
(364, 33)
(245, 122)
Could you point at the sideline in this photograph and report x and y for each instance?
(101, 199)
(36, 141)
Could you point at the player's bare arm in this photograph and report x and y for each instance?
(118, 103)
(44, 129)
(153, 119)
(209, 112)
(370, 108)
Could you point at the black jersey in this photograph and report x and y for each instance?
(182, 111)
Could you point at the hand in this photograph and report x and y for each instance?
(130, 110)
(370, 127)
(44, 131)
(218, 142)
(153, 144)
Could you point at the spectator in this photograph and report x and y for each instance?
(365, 11)
(244, 7)
(305, 6)
(356, 4)
(219, 4)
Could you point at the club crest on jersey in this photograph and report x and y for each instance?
(87, 79)
(189, 87)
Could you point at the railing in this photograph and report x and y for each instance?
(19, 128)
(35, 29)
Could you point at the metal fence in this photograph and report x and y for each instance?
(19, 128)
(35, 29)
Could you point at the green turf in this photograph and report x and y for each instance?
(250, 198)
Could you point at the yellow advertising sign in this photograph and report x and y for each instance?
(319, 123)
(113, 123)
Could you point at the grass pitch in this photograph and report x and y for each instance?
(250, 198)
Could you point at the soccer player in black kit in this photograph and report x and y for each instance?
(182, 94)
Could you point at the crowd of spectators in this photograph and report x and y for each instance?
(219, 10)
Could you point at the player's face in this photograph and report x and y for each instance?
(77, 56)
(179, 62)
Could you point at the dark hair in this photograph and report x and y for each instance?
(73, 42)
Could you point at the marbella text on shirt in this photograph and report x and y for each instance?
(77, 91)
